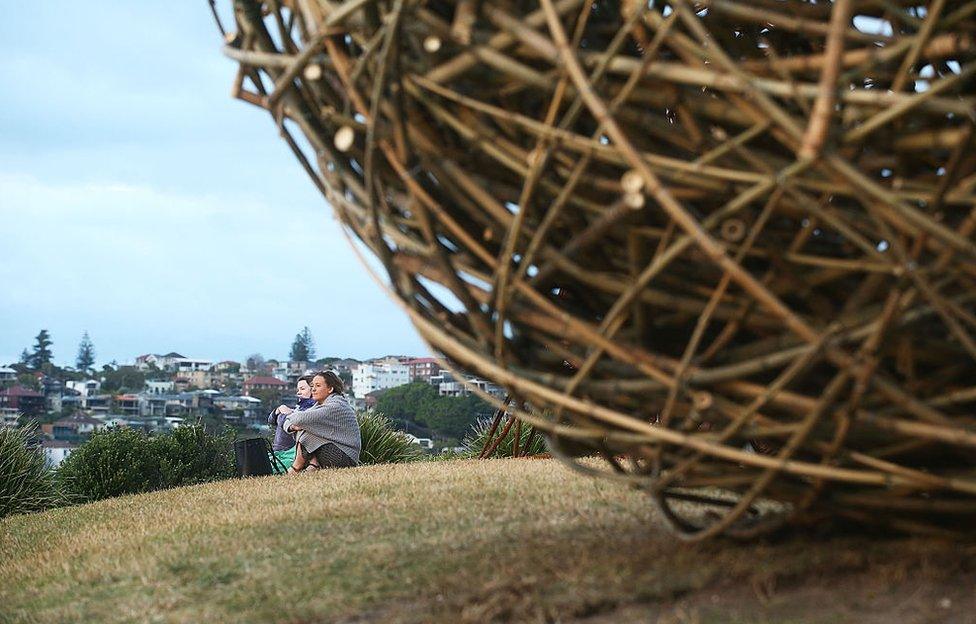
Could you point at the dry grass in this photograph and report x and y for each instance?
(444, 541)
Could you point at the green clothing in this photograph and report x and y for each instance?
(287, 457)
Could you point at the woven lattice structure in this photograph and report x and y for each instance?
(726, 245)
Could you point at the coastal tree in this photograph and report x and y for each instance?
(41, 355)
(86, 353)
(123, 379)
(303, 347)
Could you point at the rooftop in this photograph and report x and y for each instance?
(423, 360)
(265, 381)
(77, 419)
(20, 391)
(58, 444)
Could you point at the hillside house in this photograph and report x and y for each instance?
(20, 399)
(373, 376)
(85, 387)
(190, 365)
(290, 371)
(76, 426)
(128, 404)
(263, 383)
(56, 451)
(422, 369)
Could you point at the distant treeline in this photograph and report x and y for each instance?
(419, 403)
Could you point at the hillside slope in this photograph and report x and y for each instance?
(474, 541)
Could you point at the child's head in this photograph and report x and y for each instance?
(304, 387)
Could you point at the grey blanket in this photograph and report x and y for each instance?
(334, 420)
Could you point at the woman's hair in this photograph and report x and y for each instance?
(306, 378)
(332, 380)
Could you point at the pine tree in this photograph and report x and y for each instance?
(303, 348)
(86, 353)
(42, 350)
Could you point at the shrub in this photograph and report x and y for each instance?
(126, 461)
(478, 438)
(26, 483)
(382, 444)
(191, 455)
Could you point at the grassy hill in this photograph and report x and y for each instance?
(470, 541)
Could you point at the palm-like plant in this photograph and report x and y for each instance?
(382, 444)
(26, 483)
(529, 443)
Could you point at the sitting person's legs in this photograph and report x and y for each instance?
(331, 456)
(301, 458)
(326, 456)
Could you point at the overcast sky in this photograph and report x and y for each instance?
(139, 202)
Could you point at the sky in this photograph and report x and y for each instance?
(140, 203)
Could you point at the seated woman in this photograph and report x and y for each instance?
(284, 442)
(327, 433)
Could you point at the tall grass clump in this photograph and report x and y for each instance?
(126, 461)
(382, 444)
(26, 483)
(477, 440)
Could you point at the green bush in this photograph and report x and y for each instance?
(191, 455)
(26, 483)
(126, 461)
(382, 444)
(478, 438)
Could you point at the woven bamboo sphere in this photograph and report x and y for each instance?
(725, 245)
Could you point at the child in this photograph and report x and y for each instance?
(284, 442)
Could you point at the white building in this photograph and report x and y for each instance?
(426, 443)
(453, 388)
(86, 388)
(9, 417)
(55, 451)
(114, 421)
(290, 371)
(189, 365)
(147, 361)
(250, 406)
(159, 387)
(173, 362)
(373, 376)
(8, 374)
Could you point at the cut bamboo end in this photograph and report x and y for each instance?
(634, 200)
(432, 44)
(703, 400)
(344, 138)
(632, 181)
(733, 230)
(313, 72)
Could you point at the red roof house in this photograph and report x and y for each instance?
(264, 383)
(23, 400)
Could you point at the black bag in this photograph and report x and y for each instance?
(253, 457)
